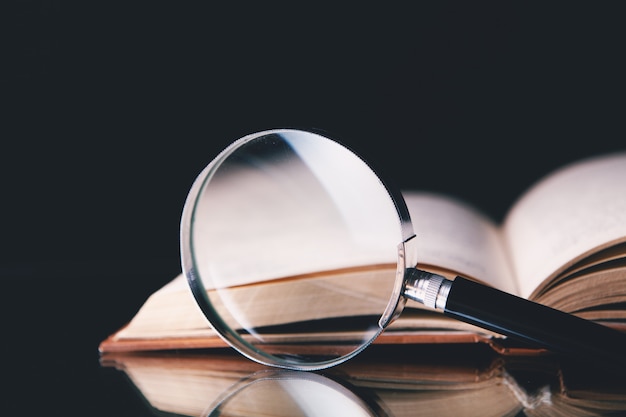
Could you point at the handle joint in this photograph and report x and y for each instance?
(427, 288)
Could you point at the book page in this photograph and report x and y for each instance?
(452, 235)
(572, 212)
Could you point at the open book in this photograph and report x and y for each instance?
(459, 382)
(563, 244)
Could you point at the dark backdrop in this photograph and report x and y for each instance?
(111, 110)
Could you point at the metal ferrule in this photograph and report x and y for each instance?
(429, 289)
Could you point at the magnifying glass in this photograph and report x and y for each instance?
(300, 255)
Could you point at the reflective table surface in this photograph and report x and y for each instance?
(384, 381)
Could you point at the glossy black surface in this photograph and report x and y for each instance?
(110, 111)
(537, 325)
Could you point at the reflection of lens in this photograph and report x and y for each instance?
(289, 240)
(285, 393)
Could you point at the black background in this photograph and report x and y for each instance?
(110, 111)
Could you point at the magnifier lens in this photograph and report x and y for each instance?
(290, 243)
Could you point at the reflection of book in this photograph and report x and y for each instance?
(562, 244)
(388, 381)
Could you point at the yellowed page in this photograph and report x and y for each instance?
(455, 236)
(570, 213)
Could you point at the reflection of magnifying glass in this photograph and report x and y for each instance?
(300, 256)
(288, 393)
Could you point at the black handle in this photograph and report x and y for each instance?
(536, 324)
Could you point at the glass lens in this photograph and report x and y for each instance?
(290, 243)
